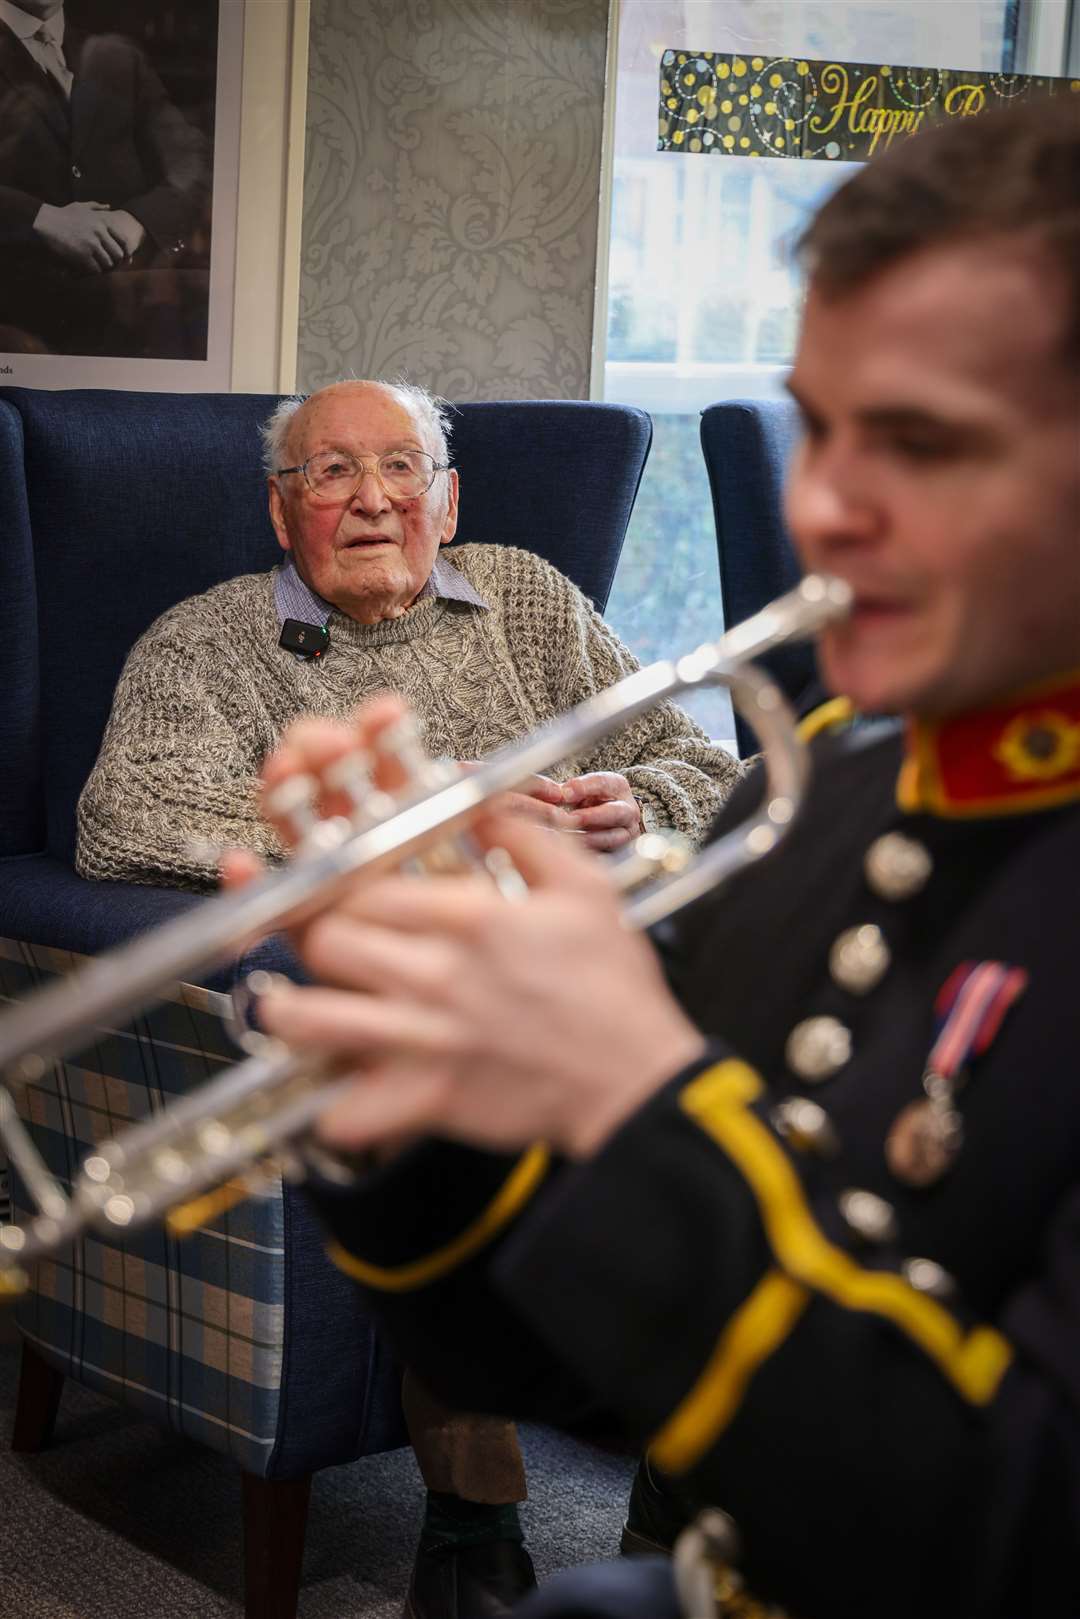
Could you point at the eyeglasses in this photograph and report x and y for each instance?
(337, 475)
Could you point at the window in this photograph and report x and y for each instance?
(702, 303)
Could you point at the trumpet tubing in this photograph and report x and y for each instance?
(260, 1105)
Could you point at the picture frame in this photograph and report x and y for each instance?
(249, 312)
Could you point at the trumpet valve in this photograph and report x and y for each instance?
(401, 743)
(351, 775)
(293, 803)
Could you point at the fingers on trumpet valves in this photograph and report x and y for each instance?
(292, 805)
(295, 807)
(352, 776)
(400, 759)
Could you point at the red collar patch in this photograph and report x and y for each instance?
(1016, 757)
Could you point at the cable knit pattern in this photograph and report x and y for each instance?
(206, 693)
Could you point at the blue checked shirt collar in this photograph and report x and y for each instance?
(294, 599)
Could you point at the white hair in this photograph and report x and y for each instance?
(432, 416)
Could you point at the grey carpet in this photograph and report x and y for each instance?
(118, 1520)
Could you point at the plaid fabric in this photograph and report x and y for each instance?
(191, 1331)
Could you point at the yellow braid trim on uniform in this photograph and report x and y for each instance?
(974, 1362)
(511, 1198)
(755, 1331)
(830, 716)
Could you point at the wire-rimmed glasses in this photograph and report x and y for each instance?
(335, 475)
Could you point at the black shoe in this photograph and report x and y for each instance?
(483, 1581)
(656, 1514)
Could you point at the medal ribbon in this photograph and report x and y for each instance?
(969, 1011)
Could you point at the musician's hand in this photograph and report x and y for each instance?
(603, 809)
(479, 1018)
(474, 1016)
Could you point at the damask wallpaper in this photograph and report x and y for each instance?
(451, 194)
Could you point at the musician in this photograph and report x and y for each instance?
(808, 1220)
(363, 500)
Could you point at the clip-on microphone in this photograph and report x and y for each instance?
(306, 640)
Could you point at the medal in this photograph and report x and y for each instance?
(923, 1142)
(926, 1136)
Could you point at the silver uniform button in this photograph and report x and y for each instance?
(859, 959)
(869, 1216)
(927, 1276)
(896, 866)
(817, 1047)
(805, 1125)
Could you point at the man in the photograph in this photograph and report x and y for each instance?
(104, 186)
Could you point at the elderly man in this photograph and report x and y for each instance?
(484, 649)
(362, 500)
(811, 1225)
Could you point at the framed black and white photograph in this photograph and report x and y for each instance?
(140, 180)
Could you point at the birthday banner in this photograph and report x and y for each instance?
(782, 106)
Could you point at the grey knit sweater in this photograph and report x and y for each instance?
(206, 693)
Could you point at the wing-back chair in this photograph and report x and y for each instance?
(113, 506)
(747, 444)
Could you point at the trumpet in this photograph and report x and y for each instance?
(264, 1106)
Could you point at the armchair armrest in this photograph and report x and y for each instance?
(43, 902)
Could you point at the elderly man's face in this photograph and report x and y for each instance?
(370, 556)
(940, 476)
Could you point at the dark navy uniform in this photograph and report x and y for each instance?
(859, 1337)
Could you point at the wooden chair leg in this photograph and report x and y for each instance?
(37, 1402)
(275, 1518)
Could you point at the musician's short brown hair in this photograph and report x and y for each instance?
(1013, 172)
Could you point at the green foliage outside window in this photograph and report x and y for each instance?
(666, 598)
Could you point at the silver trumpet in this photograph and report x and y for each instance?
(173, 1164)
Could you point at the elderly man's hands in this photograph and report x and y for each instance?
(603, 809)
(600, 807)
(474, 1016)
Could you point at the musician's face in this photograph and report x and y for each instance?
(370, 556)
(940, 476)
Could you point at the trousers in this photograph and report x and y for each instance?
(460, 1452)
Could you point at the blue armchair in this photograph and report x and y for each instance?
(113, 506)
(747, 444)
